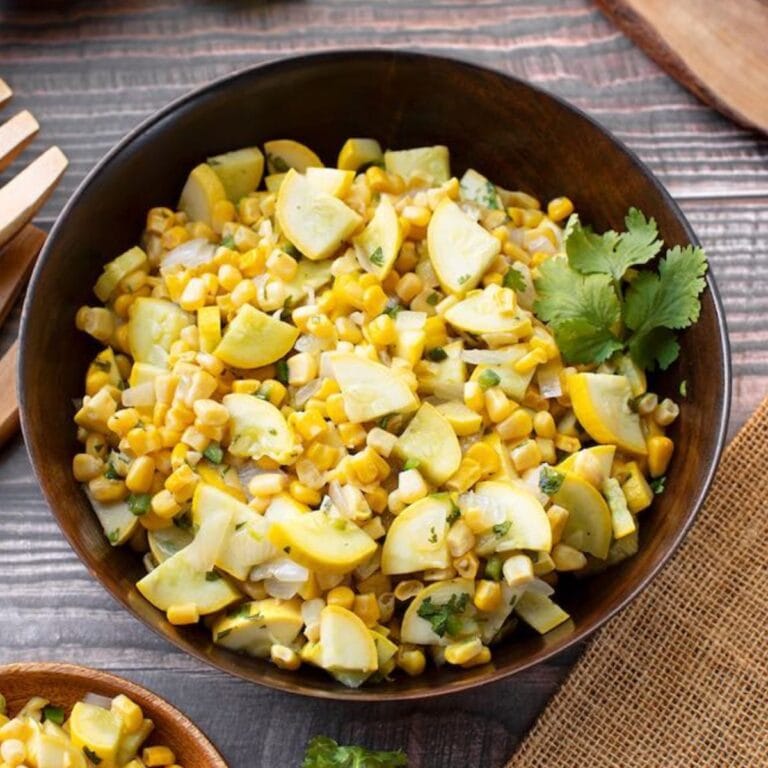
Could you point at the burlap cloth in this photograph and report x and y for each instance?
(680, 677)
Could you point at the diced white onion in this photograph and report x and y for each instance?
(410, 321)
(308, 390)
(280, 569)
(97, 701)
(282, 590)
(489, 356)
(189, 254)
(541, 244)
(370, 566)
(310, 610)
(309, 474)
(540, 586)
(139, 396)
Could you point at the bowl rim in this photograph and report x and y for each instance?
(391, 55)
(138, 693)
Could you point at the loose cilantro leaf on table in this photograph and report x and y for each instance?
(582, 297)
(324, 752)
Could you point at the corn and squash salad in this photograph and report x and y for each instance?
(368, 415)
(109, 733)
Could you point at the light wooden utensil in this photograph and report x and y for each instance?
(715, 48)
(20, 242)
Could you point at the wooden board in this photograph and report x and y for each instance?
(91, 71)
(717, 49)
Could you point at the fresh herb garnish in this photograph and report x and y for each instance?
(214, 452)
(392, 308)
(54, 714)
(444, 617)
(384, 420)
(463, 278)
(281, 371)
(224, 632)
(139, 503)
(285, 315)
(493, 568)
(514, 279)
(432, 535)
(453, 515)
(212, 576)
(683, 389)
(242, 611)
(502, 529)
(323, 752)
(278, 163)
(291, 250)
(657, 485)
(110, 472)
(550, 480)
(228, 242)
(114, 536)
(92, 756)
(433, 299)
(377, 257)
(583, 297)
(411, 464)
(488, 378)
(437, 355)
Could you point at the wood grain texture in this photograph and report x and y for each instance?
(91, 71)
(66, 684)
(715, 49)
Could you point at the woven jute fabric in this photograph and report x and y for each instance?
(680, 677)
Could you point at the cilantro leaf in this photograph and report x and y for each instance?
(582, 310)
(377, 257)
(514, 279)
(324, 752)
(550, 480)
(656, 304)
(444, 617)
(612, 253)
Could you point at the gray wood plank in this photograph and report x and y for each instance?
(90, 71)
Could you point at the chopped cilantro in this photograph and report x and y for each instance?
(658, 484)
(212, 576)
(488, 378)
(444, 617)
(281, 371)
(683, 389)
(411, 464)
(463, 278)
(453, 515)
(110, 472)
(54, 714)
(285, 315)
(291, 250)
(502, 529)
(582, 297)
(242, 611)
(228, 242)
(224, 632)
(91, 756)
(114, 536)
(240, 526)
(139, 503)
(323, 752)
(377, 257)
(384, 420)
(514, 279)
(392, 308)
(550, 481)
(432, 535)
(214, 452)
(278, 163)
(433, 299)
(287, 550)
(493, 568)
(437, 355)
(272, 431)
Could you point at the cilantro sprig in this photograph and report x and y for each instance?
(445, 618)
(324, 752)
(597, 303)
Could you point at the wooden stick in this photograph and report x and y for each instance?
(5, 92)
(21, 197)
(16, 262)
(15, 134)
(9, 405)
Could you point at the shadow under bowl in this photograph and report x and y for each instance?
(517, 135)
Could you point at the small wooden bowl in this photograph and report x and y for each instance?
(66, 684)
(517, 135)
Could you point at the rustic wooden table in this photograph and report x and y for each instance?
(92, 70)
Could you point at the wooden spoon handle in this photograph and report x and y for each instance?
(9, 405)
(16, 261)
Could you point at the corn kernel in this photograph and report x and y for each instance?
(243, 293)
(309, 424)
(567, 443)
(344, 597)
(487, 595)
(530, 360)
(660, 450)
(180, 615)
(153, 757)
(348, 331)
(558, 517)
(282, 265)
(193, 296)
(526, 456)
(474, 396)
(411, 486)
(86, 467)
(284, 657)
(468, 473)
(485, 456)
(408, 286)
(559, 208)
(666, 412)
(267, 484)
(210, 413)
(460, 539)
(518, 570)
(302, 368)
(352, 435)
(544, 424)
(382, 331)
(367, 608)
(195, 439)
(483, 657)
(182, 483)
(140, 475)
(411, 660)
(638, 492)
(381, 441)
(164, 505)
(13, 753)
(466, 566)
(304, 494)
(106, 490)
(322, 456)
(497, 404)
(516, 426)
(464, 651)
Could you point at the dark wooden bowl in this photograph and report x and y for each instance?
(519, 136)
(65, 684)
